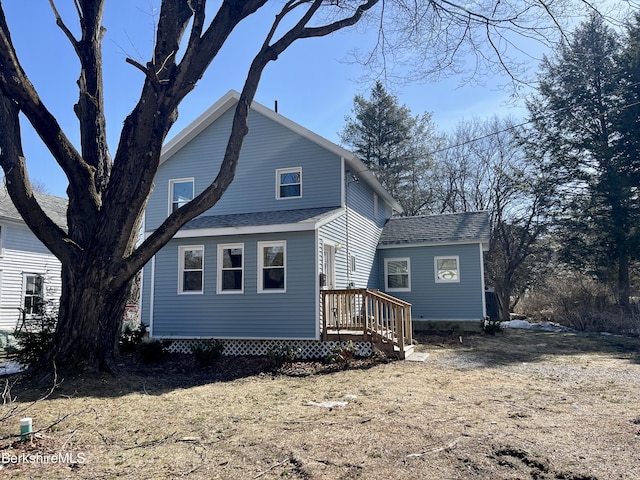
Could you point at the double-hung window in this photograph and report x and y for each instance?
(33, 294)
(397, 274)
(447, 269)
(230, 268)
(272, 267)
(289, 183)
(180, 193)
(191, 269)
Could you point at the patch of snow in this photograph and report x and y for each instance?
(543, 327)
(327, 404)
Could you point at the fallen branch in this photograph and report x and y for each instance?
(449, 446)
(271, 468)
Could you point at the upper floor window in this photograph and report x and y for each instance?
(33, 294)
(272, 266)
(230, 268)
(289, 183)
(180, 193)
(447, 269)
(191, 269)
(397, 274)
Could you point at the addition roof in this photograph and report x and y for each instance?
(54, 207)
(259, 222)
(467, 227)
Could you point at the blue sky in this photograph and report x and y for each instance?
(313, 82)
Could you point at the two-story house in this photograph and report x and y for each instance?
(302, 246)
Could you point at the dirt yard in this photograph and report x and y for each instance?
(520, 405)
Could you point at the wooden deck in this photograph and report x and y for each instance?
(357, 314)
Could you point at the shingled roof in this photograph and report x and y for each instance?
(437, 229)
(54, 207)
(257, 219)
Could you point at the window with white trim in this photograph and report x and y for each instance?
(191, 269)
(181, 192)
(272, 267)
(33, 303)
(397, 274)
(231, 268)
(289, 183)
(447, 269)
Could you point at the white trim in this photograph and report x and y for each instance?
(428, 244)
(483, 298)
(209, 337)
(261, 246)
(152, 294)
(446, 257)
(3, 236)
(172, 182)
(181, 250)
(386, 274)
(228, 246)
(280, 171)
(317, 281)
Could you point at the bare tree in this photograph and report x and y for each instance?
(107, 193)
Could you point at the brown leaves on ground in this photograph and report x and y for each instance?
(520, 405)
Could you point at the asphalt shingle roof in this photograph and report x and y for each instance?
(279, 217)
(54, 207)
(431, 229)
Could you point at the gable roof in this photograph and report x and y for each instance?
(54, 207)
(229, 100)
(467, 227)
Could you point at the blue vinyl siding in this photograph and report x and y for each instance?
(267, 147)
(440, 301)
(248, 315)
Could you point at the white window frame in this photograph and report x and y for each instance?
(25, 276)
(172, 183)
(222, 269)
(261, 246)
(181, 269)
(435, 268)
(386, 274)
(279, 172)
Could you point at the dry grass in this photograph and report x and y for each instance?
(515, 406)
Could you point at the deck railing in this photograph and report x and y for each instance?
(371, 312)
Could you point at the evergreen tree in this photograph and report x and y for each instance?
(394, 145)
(577, 127)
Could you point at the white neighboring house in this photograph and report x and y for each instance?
(29, 273)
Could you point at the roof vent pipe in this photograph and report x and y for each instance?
(275, 106)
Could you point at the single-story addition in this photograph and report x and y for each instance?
(304, 247)
(29, 272)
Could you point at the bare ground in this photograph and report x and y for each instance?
(520, 405)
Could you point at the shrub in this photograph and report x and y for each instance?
(279, 355)
(342, 353)
(131, 337)
(208, 353)
(32, 337)
(153, 351)
(491, 327)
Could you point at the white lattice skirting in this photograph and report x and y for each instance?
(309, 349)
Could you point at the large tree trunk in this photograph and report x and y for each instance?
(89, 320)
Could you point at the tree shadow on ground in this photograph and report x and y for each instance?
(512, 346)
(173, 372)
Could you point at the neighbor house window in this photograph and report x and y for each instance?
(397, 274)
(180, 193)
(33, 294)
(447, 269)
(191, 269)
(289, 183)
(272, 266)
(230, 268)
